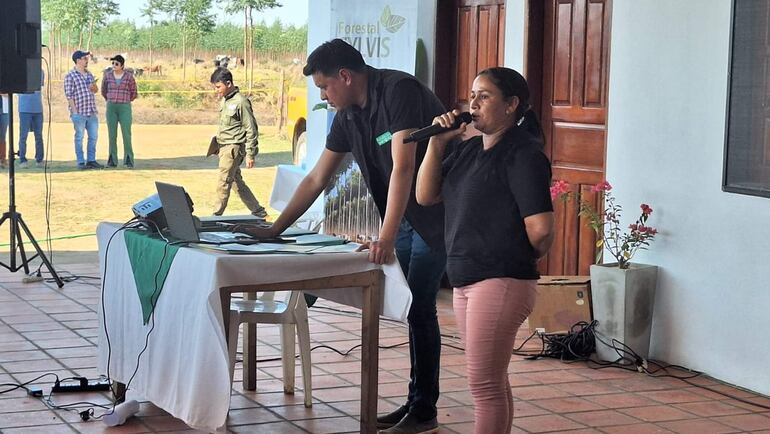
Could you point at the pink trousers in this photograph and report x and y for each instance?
(489, 314)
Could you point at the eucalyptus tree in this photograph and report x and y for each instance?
(195, 19)
(247, 7)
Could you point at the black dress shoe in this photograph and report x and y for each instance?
(94, 165)
(411, 425)
(392, 418)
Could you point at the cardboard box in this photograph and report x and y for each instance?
(562, 301)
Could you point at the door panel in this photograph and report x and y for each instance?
(480, 30)
(574, 113)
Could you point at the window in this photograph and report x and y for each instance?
(747, 145)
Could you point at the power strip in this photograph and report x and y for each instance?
(84, 385)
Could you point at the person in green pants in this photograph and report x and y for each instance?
(119, 89)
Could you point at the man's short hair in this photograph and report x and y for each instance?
(222, 75)
(332, 56)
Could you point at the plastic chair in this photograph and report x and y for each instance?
(289, 314)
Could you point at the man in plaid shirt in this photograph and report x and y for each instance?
(79, 88)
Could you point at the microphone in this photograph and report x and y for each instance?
(432, 130)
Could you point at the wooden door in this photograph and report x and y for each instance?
(575, 60)
(471, 39)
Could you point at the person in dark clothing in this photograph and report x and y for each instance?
(376, 111)
(501, 178)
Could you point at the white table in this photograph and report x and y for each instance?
(185, 368)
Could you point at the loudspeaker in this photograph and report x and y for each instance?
(20, 48)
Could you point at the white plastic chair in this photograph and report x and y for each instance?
(289, 314)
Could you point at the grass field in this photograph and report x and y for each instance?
(81, 199)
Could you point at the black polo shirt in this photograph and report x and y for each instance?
(396, 101)
(487, 195)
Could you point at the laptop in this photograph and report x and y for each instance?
(177, 207)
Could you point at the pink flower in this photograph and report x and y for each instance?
(633, 227)
(646, 210)
(602, 186)
(559, 189)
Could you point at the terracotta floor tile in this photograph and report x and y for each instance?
(338, 394)
(248, 416)
(700, 426)
(601, 418)
(586, 388)
(747, 422)
(529, 393)
(672, 396)
(18, 356)
(455, 414)
(28, 418)
(32, 366)
(620, 400)
(330, 425)
(548, 423)
(642, 428)
(566, 405)
(271, 428)
(657, 413)
(299, 412)
(47, 429)
(710, 408)
(20, 404)
(132, 426)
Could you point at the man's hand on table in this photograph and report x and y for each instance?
(381, 251)
(260, 231)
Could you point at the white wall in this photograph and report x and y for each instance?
(666, 128)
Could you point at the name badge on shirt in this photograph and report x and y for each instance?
(384, 138)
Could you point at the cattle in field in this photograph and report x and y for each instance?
(153, 70)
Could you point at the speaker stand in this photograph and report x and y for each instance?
(14, 219)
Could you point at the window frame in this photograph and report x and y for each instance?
(763, 191)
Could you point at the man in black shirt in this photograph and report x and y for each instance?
(377, 109)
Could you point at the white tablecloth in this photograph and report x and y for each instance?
(185, 368)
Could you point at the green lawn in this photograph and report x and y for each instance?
(169, 153)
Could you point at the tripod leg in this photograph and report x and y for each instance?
(24, 260)
(40, 252)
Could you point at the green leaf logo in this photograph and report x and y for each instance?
(391, 22)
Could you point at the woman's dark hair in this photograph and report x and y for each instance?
(331, 56)
(222, 75)
(511, 84)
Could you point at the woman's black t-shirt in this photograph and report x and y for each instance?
(487, 195)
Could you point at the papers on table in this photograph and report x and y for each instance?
(267, 248)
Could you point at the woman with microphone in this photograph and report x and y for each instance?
(501, 177)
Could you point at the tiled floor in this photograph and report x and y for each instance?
(44, 329)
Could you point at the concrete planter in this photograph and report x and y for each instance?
(622, 304)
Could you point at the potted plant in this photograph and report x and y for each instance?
(622, 292)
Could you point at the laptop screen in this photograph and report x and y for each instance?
(178, 212)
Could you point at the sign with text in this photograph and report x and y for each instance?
(385, 32)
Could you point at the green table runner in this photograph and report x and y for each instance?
(150, 267)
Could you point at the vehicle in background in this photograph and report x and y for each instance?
(296, 123)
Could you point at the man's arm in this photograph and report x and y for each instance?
(399, 190)
(69, 93)
(249, 124)
(104, 86)
(307, 192)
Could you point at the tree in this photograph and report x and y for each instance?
(248, 7)
(151, 9)
(98, 12)
(195, 20)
